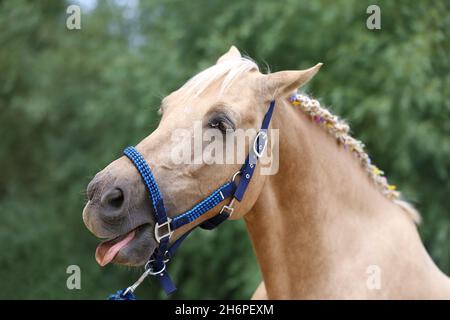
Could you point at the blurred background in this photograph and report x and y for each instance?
(71, 100)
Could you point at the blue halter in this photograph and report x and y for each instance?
(165, 225)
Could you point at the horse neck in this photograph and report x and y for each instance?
(318, 213)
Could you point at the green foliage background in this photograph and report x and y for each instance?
(71, 100)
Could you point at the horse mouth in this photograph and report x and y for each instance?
(118, 248)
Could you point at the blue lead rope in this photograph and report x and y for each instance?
(157, 264)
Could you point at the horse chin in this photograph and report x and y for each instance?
(138, 251)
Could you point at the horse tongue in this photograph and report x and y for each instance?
(107, 250)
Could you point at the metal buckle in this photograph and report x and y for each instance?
(166, 232)
(228, 208)
(149, 269)
(256, 150)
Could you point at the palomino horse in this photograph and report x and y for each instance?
(327, 225)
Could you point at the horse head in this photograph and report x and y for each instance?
(229, 96)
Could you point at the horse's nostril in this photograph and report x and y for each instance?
(113, 198)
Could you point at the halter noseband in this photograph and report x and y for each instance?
(165, 225)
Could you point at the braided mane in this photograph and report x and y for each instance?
(340, 131)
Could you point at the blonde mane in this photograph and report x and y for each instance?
(229, 69)
(340, 131)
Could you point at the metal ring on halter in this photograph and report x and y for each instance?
(149, 269)
(258, 152)
(235, 175)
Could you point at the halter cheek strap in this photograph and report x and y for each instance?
(165, 225)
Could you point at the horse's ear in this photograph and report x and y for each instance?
(282, 83)
(232, 53)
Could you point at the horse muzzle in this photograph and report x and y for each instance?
(118, 212)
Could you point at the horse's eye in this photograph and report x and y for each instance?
(223, 124)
